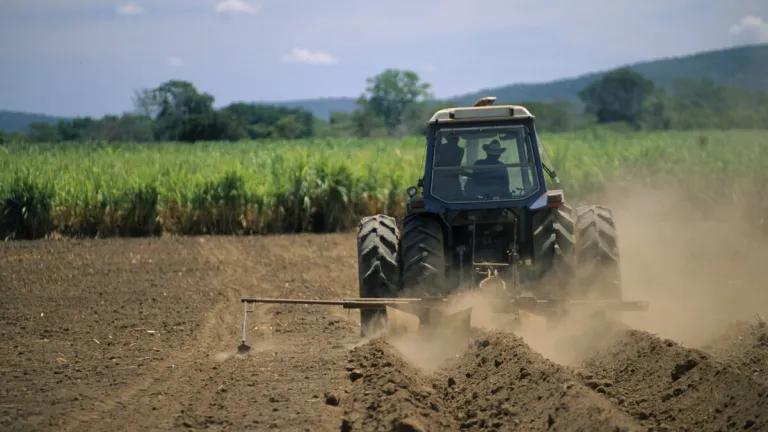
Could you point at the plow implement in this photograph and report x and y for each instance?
(433, 313)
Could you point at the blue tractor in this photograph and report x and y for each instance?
(483, 210)
(483, 214)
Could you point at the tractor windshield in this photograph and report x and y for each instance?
(483, 163)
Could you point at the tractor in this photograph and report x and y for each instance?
(483, 213)
(483, 209)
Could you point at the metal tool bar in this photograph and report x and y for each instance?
(356, 303)
(360, 303)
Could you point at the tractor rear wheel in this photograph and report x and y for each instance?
(596, 251)
(423, 256)
(378, 272)
(553, 244)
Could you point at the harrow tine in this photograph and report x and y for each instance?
(243, 348)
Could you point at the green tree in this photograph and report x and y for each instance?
(171, 104)
(78, 129)
(11, 137)
(618, 96)
(339, 124)
(212, 126)
(43, 132)
(366, 122)
(128, 127)
(657, 111)
(268, 121)
(289, 127)
(699, 103)
(549, 117)
(695, 102)
(389, 96)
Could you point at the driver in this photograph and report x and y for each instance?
(492, 180)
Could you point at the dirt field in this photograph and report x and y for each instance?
(141, 334)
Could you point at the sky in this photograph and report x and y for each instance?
(87, 57)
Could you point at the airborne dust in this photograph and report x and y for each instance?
(700, 270)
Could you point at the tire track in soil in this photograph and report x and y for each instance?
(85, 319)
(171, 387)
(283, 381)
(297, 355)
(170, 370)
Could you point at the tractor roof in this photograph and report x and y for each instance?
(482, 110)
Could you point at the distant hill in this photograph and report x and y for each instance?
(14, 121)
(744, 67)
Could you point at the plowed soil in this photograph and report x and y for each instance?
(141, 334)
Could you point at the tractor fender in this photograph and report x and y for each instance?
(550, 198)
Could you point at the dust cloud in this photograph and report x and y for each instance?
(699, 269)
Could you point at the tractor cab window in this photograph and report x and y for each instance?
(482, 164)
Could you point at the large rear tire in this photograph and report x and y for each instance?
(598, 273)
(378, 272)
(553, 245)
(423, 256)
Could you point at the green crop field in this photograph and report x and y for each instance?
(322, 185)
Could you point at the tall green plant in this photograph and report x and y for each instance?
(27, 204)
(326, 185)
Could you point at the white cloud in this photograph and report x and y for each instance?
(176, 61)
(303, 55)
(753, 26)
(237, 7)
(130, 9)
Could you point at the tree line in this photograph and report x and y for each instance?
(627, 98)
(397, 103)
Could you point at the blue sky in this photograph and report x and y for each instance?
(86, 57)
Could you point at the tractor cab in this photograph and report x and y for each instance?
(482, 157)
(484, 186)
